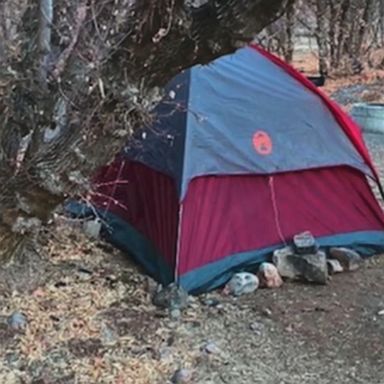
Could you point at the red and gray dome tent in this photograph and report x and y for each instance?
(243, 154)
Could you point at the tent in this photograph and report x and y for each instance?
(242, 154)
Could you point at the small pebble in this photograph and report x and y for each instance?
(267, 312)
(39, 292)
(381, 313)
(182, 376)
(211, 348)
(84, 276)
(17, 321)
(108, 335)
(256, 327)
(92, 228)
(165, 354)
(211, 302)
(175, 314)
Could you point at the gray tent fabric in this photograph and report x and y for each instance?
(242, 114)
(242, 94)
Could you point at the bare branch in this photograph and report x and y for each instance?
(45, 33)
(81, 13)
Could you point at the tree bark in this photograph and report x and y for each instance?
(290, 31)
(364, 24)
(343, 29)
(321, 35)
(77, 77)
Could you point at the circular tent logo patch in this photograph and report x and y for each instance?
(262, 143)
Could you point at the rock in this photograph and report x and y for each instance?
(17, 321)
(171, 297)
(84, 274)
(266, 312)
(211, 348)
(381, 313)
(211, 302)
(305, 244)
(334, 266)
(242, 283)
(281, 258)
(38, 292)
(175, 314)
(257, 328)
(108, 335)
(312, 267)
(182, 376)
(269, 276)
(92, 228)
(349, 259)
(165, 354)
(151, 285)
(193, 302)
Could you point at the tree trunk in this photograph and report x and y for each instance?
(332, 34)
(381, 22)
(77, 77)
(343, 29)
(364, 24)
(289, 47)
(321, 35)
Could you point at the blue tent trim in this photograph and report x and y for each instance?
(214, 275)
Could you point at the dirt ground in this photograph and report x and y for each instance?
(91, 321)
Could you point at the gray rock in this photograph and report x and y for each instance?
(211, 348)
(267, 312)
(17, 321)
(334, 266)
(211, 302)
(182, 376)
(312, 268)
(257, 328)
(304, 243)
(108, 335)
(241, 284)
(171, 297)
(84, 274)
(175, 314)
(165, 354)
(349, 259)
(281, 258)
(151, 285)
(92, 228)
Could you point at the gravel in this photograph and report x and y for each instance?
(353, 93)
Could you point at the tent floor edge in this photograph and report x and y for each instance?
(216, 274)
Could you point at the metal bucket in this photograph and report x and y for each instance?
(370, 117)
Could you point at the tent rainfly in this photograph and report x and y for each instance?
(243, 154)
